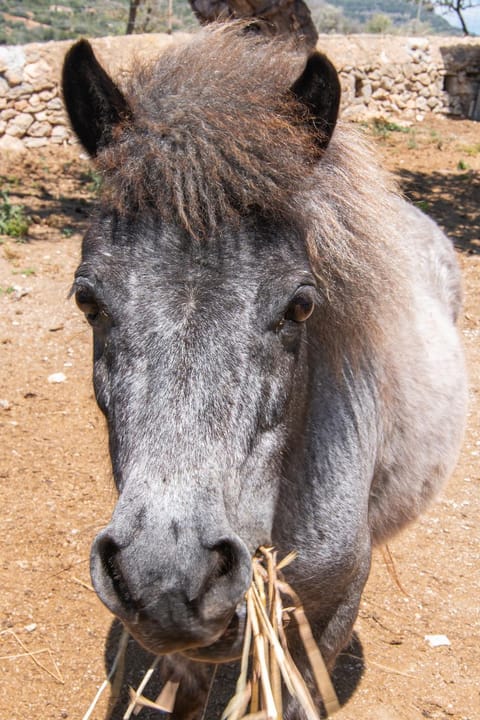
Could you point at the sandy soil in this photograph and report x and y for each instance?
(56, 491)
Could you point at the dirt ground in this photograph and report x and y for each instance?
(56, 491)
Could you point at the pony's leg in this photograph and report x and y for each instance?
(193, 679)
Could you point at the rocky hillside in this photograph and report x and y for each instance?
(23, 21)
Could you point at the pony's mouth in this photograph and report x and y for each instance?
(228, 646)
(225, 647)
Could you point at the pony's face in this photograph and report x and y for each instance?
(201, 369)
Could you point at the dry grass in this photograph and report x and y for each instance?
(259, 686)
(266, 664)
(32, 654)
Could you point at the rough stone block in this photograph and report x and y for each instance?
(387, 83)
(47, 95)
(14, 76)
(380, 94)
(19, 124)
(366, 92)
(12, 61)
(21, 90)
(37, 70)
(35, 142)
(60, 131)
(21, 105)
(36, 102)
(9, 143)
(418, 43)
(40, 129)
(7, 114)
(425, 92)
(55, 104)
(398, 101)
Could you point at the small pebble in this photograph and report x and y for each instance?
(437, 640)
(31, 627)
(57, 378)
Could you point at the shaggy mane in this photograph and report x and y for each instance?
(217, 137)
(215, 132)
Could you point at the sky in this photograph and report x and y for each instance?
(472, 19)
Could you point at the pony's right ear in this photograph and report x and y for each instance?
(95, 105)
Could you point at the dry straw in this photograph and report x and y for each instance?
(266, 664)
(266, 642)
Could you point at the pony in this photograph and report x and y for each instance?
(274, 343)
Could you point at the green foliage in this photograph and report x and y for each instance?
(330, 19)
(382, 128)
(379, 23)
(412, 141)
(11, 180)
(40, 20)
(462, 165)
(365, 16)
(13, 220)
(26, 272)
(471, 150)
(460, 8)
(422, 205)
(95, 181)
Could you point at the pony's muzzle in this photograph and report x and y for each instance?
(171, 603)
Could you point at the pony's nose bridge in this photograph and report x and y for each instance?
(129, 577)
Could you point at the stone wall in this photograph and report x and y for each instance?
(382, 76)
(406, 77)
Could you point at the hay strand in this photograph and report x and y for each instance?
(320, 672)
(117, 662)
(391, 569)
(57, 675)
(137, 698)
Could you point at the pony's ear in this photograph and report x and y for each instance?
(94, 103)
(318, 88)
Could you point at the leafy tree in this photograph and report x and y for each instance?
(458, 7)
(331, 19)
(283, 17)
(132, 16)
(379, 23)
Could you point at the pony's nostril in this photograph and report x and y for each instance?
(226, 559)
(109, 551)
(227, 581)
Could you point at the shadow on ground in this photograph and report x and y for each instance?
(346, 677)
(453, 200)
(48, 200)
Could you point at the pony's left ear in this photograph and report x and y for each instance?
(95, 105)
(318, 88)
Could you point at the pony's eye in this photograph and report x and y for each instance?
(87, 304)
(301, 305)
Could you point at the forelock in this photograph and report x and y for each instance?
(216, 133)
